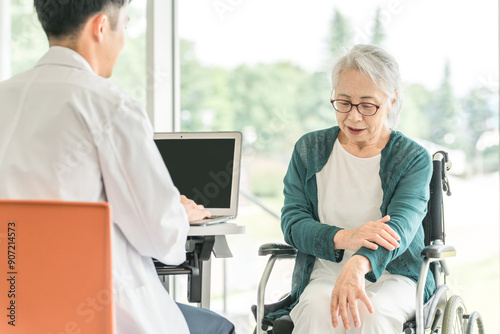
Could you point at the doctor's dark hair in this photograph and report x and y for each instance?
(63, 18)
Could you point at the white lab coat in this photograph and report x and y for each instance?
(68, 134)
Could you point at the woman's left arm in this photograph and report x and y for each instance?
(407, 208)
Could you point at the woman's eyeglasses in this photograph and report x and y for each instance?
(364, 108)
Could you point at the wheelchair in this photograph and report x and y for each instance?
(441, 314)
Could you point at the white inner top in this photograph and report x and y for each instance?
(349, 195)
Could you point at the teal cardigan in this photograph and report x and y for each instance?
(405, 173)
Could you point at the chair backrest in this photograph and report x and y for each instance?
(55, 266)
(434, 220)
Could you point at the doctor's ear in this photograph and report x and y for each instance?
(98, 26)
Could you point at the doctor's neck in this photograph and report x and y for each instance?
(67, 42)
(87, 47)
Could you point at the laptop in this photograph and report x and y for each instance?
(205, 167)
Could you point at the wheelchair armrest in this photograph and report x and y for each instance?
(436, 252)
(277, 249)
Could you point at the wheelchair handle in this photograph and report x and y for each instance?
(439, 184)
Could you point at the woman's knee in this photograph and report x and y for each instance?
(312, 313)
(386, 318)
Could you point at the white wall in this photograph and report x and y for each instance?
(5, 36)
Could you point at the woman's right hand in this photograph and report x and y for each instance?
(370, 235)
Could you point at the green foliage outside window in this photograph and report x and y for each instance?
(273, 104)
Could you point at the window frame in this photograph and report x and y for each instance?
(162, 65)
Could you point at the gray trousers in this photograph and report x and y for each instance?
(203, 321)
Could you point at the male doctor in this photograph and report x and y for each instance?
(67, 133)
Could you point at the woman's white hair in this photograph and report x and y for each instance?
(381, 67)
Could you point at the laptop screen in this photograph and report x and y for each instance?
(201, 168)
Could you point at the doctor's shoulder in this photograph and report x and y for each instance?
(109, 100)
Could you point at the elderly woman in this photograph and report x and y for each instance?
(355, 197)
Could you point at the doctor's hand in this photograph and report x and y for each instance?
(369, 235)
(194, 211)
(349, 287)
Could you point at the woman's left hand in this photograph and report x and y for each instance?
(349, 287)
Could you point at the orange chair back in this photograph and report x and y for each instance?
(55, 268)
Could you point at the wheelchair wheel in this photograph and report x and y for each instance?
(455, 316)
